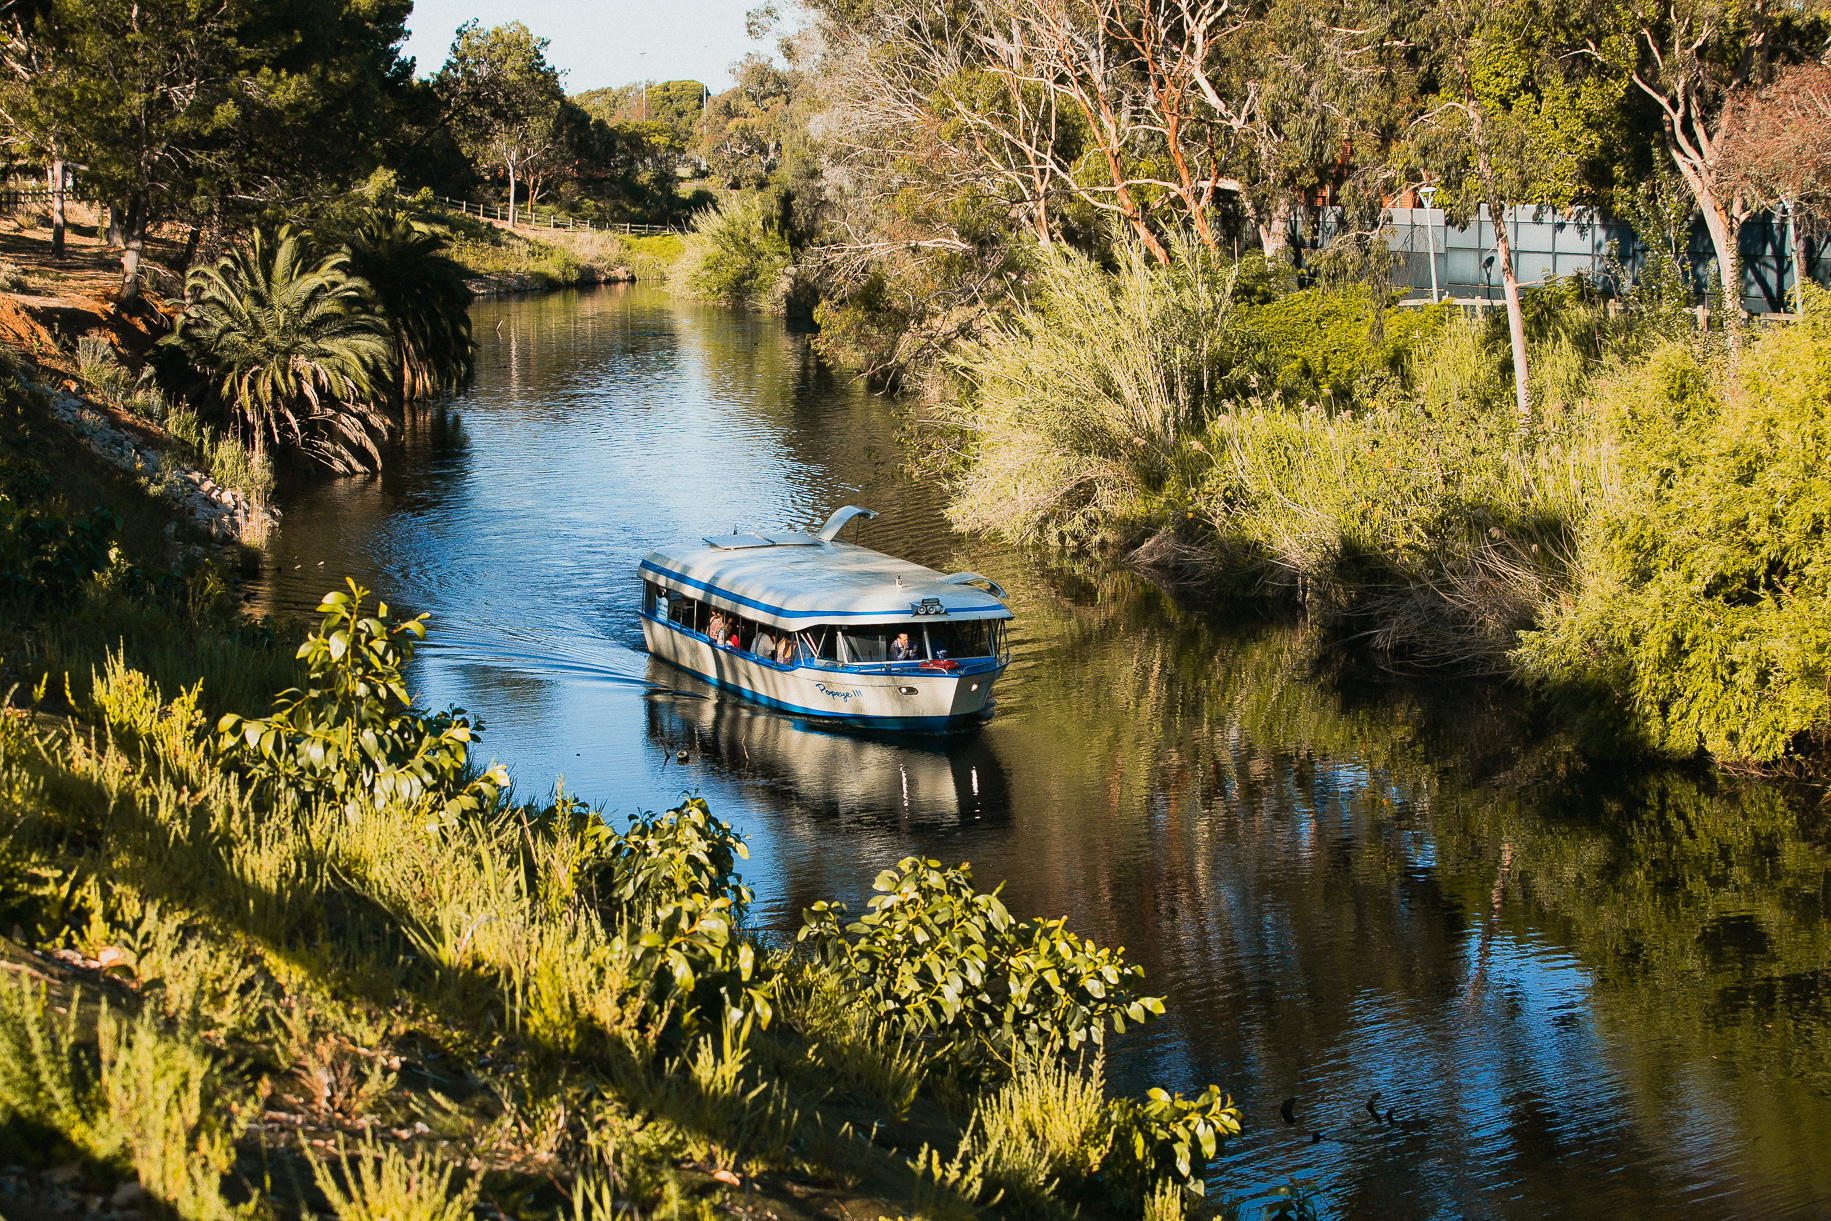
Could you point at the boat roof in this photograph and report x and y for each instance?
(797, 580)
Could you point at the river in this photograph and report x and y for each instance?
(1567, 990)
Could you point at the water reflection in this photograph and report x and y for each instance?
(825, 779)
(1587, 993)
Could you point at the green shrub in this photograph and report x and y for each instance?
(664, 858)
(45, 555)
(952, 964)
(737, 254)
(1703, 613)
(377, 1184)
(1326, 344)
(353, 730)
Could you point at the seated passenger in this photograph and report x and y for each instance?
(715, 627)
(902, 650)
(785, 651)
(764, 645)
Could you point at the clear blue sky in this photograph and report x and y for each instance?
(607, 42)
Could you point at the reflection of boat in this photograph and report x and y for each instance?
(829, 629)
(839, 772)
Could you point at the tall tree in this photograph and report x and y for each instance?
(145, 90)
(1506, 125)
(1776, 150)
(504, 98)
(1689, 57)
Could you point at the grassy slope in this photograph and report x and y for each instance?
(556, 257)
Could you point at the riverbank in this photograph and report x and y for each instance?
(500, 261)
(1644, 552)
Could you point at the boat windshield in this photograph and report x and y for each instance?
(894, 642)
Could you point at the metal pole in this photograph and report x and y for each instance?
(1430, 239)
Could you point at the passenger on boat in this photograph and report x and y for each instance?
(902, 650)
(764, 645)
(715, 627)
(785, 651)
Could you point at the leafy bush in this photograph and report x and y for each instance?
(46, 556)
(737, 254)
(684, 853)
(952, 964)
(1320, 344)
(693, 958)
(1167, 1134)
(353, 731)
(1703, 613)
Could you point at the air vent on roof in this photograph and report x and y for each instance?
(737, 542)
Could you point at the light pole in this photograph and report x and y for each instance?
(1430, 238)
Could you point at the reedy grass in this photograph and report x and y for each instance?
(1085, 400)
(736, 255)
(383, 1184)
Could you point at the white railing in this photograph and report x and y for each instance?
(552, 220)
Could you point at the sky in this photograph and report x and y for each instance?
(606, 42)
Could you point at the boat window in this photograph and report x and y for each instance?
(820, 642)
(879, 642)
(683, 610)
(970, 638)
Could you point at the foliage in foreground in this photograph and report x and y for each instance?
(549, 999)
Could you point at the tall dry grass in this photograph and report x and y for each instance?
(1085, 401)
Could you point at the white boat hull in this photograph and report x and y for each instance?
(901, 700)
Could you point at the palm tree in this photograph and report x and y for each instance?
(294, 348)
(421, 292)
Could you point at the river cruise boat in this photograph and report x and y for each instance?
(813, 625)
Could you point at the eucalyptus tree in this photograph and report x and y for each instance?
(503, 97)
(1777, 152)
(293, 348)
(1690, 58)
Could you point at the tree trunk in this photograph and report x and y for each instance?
(1729, 265)
(511, 194)
(1799, 259)
(1516, 320)
(132, 246)
(57, 207)
(1503, 250)
(115, 240)
(1275, 235)
(190, 247)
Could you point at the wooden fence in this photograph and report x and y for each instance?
(553, 220)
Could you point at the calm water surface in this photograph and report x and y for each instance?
(1604, 994)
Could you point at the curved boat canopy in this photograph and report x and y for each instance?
(796, 580)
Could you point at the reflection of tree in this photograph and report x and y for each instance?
(1327, 885)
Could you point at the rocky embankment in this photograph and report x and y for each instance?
(218, 511)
